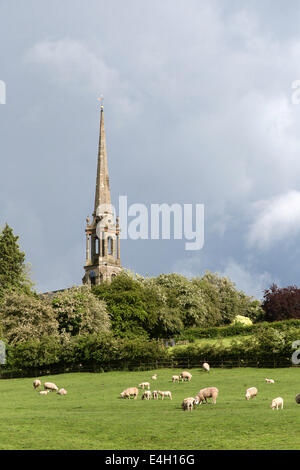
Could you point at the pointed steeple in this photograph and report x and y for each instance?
(102, 193)
(103, 233)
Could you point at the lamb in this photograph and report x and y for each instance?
(36, 383)
(297, 398)
(44, 392)
(154, 377)
(130, 391)
(155, 395)
(165, 394)
(144, 384)
(276, 403)
(205, 393)
(62, 391)
(188, 403)
(175, 378)
(206, 366)
(251, 393)
(146, 395)
(185, 376)
(270, 381)
(50, 386)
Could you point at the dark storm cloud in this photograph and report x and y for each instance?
(198, 109)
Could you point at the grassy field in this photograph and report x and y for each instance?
(226, 341)
(92, 416)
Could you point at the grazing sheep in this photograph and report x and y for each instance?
(154, 377)
(145, 384)
(50, 386)
(155, 395)
(276, 403)
(165, 394)
(206, 366)
(251, 393)
(44, 392)
(188, 403)
(62, 391)
(270, 381)
(185, 376)
(175, 378)
(134, 391)
(297, 398)
(146, 395)
(36, 383)
(205, 393)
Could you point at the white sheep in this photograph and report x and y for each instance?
(44, 392)
(205, 366)
(205, 393)
(131, 391)
(154, 377)
(145, 384)
(50, 386)
(175, 378)
(165, 394)
(270, 381)
(155, 395)
(251, 393)
(62, 391)
(188, 403)
(36, 383)
(276, 403)
(185, 376)
(146, 395)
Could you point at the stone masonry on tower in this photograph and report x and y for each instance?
(103, 233)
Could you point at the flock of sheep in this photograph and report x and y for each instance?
(48, 387)
(202, 396)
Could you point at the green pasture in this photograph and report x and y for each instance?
(92, 416)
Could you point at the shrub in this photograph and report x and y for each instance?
(23, 317)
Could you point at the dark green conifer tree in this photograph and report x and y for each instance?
(13, 271)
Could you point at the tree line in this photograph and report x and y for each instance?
(131, 306)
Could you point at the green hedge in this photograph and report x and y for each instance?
(95, 352)
(267, 347)
(235, 330)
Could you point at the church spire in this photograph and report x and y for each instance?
(102, 193)
(103, 233)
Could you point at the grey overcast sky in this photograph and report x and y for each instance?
(199, 108)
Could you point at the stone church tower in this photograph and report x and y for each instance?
(103, 234)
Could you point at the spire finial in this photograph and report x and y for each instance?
(101, 99)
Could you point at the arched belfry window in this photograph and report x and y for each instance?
(92, 278)
(110, 245)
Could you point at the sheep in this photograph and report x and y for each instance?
(270, 381)
(130, 391)
(297, 398)
(146, 395)
(276, 403)
(62, 391)
(185, 376)
(36, 383)
(50, 386)
(188, 403)
(44, 392)
(165, 394)
(251, 393)
(155, 395)
(154, 377)
(175, 378)
(205, 393)
(205, 366)
(144, 384)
